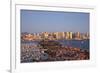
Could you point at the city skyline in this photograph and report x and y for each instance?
(34, 21)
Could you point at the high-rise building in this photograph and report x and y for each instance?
(66, 35)
(78, 35)
(70, 35)
(63, 35)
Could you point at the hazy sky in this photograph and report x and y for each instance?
(49, 21)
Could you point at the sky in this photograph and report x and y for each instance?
(34, 21)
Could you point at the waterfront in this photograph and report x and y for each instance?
(82, 44)
(31, 51)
